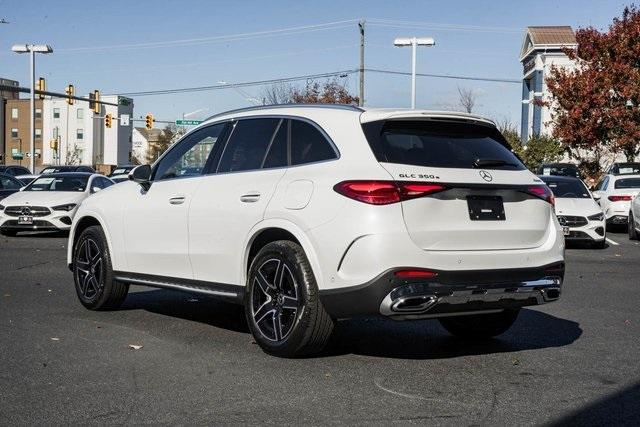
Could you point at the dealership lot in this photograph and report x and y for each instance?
(574, 360)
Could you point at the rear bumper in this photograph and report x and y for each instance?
(450, 293)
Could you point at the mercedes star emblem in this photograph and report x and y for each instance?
(26, 211)
(486, 176)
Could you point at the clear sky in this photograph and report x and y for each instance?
(93, 40)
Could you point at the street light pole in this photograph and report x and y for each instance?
(414, 42)
(32, 49)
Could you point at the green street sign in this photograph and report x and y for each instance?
(188, 122)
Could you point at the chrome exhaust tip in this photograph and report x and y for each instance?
(413, 304)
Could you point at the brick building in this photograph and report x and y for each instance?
(17, 129)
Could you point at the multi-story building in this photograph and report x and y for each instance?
(142, 140)
(542, 48)
(5, 95)
(81, 136)
(17, 132)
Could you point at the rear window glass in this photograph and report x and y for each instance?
(308, 145)
(568, 189)
(440, 145)
(248, 145)
(627, 183)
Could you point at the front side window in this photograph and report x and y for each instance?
(308, 144)
(189, 156)
(59, 183)
(9, 184)
(56, 113)
(248, 145)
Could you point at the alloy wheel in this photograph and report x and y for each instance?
(89, 271)
(275, 301)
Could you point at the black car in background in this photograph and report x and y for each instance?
(67, 168)
(14, 170)
(560, 169)
(8, 185)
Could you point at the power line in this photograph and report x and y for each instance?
(239, 85)
(441, 26)
(446, 76)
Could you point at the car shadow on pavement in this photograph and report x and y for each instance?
(187, 306)
(620, 408)
(426, 339)
(41, 234)
(372, 336)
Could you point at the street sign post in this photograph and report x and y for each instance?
(188, 122)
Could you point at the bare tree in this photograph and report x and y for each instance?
(279, 93)
(467, 98)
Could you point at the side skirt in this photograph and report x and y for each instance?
(231, 293)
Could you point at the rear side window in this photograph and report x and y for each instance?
(248, 145)
(308, 144)
(9, 184)
(627, 183)
(440, 145)
(278, 151)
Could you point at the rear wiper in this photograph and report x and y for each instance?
(486, 163)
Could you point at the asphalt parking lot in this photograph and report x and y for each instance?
(575, 361)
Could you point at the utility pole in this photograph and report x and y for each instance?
(361, 96)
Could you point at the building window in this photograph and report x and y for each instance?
(80, 113)
(56, 113)
(79, 134)
(14, 113)
(14, 133)
(38, 113)
(38, 133)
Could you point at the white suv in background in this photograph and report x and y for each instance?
(309, 214)
(614, 194)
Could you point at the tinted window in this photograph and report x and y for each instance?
(605, 183)
(308, 144)
(9, 184)
(278, 151)
(15, 171)
(568, 189)
(441, 145)
(627, 183)
(189, 156)
(58, 183)
(247, 145)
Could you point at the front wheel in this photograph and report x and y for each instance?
(480, 326)
(633, 234)
(93, 274)
(282, 305)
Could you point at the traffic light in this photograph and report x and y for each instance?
(71, 92)
(42, 85)
(149, 121)
(53, 144)
(108, 120)
(93, 103)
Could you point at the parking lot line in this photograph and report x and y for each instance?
(611, 242)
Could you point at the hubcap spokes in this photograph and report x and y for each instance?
(89, 268)
(275, 300)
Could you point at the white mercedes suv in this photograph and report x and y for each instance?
(309, 214)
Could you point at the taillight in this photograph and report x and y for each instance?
(385, 192)
(415, 274)
(543, 192)
(620, 198)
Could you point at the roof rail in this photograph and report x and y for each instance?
(292, 105)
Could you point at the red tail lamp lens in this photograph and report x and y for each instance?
(385, 192)
(543, 192)
(620, 198)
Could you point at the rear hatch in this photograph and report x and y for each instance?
(485, 198)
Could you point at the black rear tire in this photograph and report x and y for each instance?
(282, 304)
(480, 326)
(8, 233)
(93, 272)
(633, 234)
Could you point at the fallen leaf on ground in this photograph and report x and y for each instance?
(515, 361)
(7, 295)
(135, 347)
(627, 322)
(55, 339)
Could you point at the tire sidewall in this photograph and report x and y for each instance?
(306, 287)
(94, 233)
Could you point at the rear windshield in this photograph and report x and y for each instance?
(627, 183)
(626, 169)
(440, 145)
(568, 189)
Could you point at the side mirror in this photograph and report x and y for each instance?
(142, 175)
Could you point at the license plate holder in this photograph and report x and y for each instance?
(486, 208)
(566, 230)
(25, 220)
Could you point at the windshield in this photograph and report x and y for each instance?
(48, 170)
(440, 145)
(119, 171)
(627, 183)
(59, 183)
(568, 189)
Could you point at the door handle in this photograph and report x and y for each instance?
(178, 200)
(250, 197)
